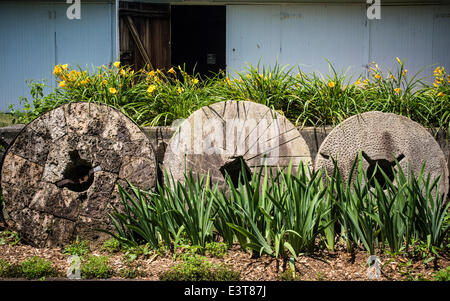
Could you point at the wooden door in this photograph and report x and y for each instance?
(144, 33)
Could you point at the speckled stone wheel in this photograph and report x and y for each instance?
(381, 137)
(215, 139)
(59, 175)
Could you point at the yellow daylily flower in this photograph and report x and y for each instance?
(65, 66)
(195, 81)
(151, 88)
(180, 90)
(397, 90)
(57, 70)
(171, 70)
(331, 84)
(122, 72)
(62, 84)
(116, 64)
(112, 90)
(377, 76)
(440, 94)
(358, 82)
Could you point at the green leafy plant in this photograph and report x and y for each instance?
(216, 249)
(287, 213)
(112, 245)
(197, 268)
(8, 270)
(78, 247)
(290, 275)
(442, 275)
(158, 97)
(36, 267)
(9, 237)
(131, 272)
(96, 267)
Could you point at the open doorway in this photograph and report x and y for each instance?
(198, 38)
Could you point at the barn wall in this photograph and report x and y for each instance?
(307, 35)
(34, 36)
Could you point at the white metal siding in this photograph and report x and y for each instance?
(26, 48)
(312, 34)
(404, 32)
(308, 34)
(36, 36)
(252, 32)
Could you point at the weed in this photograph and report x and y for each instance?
(290, 275)
(197, 268)
(8, 270)
(112, 245)
(442, 275)
(319, 276)
(9, 237)
(216, 249)
(131, 272)
(96, 267)
(78, 247)
(36, 267)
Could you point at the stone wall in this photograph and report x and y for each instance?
(160, 135)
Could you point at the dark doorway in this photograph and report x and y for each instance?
(198, 38)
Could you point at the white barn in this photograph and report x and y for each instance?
(219, 35)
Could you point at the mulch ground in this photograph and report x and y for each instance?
(323, 265)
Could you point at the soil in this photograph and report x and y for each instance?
(322, 265)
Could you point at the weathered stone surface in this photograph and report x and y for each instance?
(382, 137)
(215, 138)
(59, 174)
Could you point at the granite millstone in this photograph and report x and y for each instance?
(59, 175)
(216, 138)
(381, 137)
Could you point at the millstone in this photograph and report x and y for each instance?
(59, 175)
(381, 137)
(216, 138)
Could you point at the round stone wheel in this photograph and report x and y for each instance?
(381, 137)
(217, 138)
(59, 175)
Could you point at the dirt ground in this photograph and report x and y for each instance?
(337, 266)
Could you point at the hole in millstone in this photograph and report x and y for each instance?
(77, 175)
(234, 168)
(375, 167)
